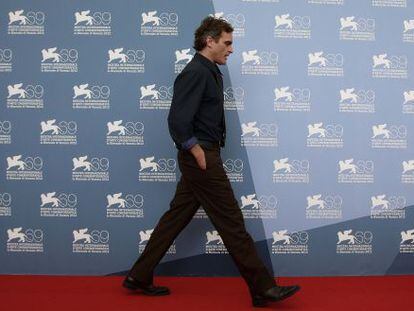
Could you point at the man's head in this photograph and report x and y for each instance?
(214, 39)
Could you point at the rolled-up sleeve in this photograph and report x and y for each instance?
(188, 91)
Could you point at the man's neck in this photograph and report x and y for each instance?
(207, 55)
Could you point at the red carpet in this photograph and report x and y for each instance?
(193, 293)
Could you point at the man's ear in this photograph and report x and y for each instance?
(209, 41)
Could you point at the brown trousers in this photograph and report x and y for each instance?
(211, 189)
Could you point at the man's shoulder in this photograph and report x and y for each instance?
(195, 67)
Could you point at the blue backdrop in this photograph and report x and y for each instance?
(319, 100)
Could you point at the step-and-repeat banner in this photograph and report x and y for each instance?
(319, 100)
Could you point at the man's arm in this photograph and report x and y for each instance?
(188, 91)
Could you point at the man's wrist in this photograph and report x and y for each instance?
(190, 143)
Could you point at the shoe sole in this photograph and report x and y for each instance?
(263, 302)
(147, 293)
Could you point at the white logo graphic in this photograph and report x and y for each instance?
(317, 59)
(393, 66)
(347, 165)
(348, 94)
(91, 97)
(24, 97)
(388, 208)
(408, 25)
(393, 136)
(145, 235)
(408, 166)
(295, 171)
(16, 89)
(96, 24)
(161, 170)
(348, 22)
(6, 57)
(81, 162)
(295, 99)
(381, 60)
(62, 205)
(150, 18)
(279, 236)
(315, 200)
(148, 163)
(31, 23)
(115, 127)
(115, 199)
(284, 20)
(213, 236)
(263, 63)
(352, 100)
(250, 200)
(16, 234)
(360, 172)
(63, 60)
(51, 54)
(354, 243)
(329, 207)
(116, 54)
(49, 126)
(290, 243)
(155, 98)
(251, 56)
(316, 129)
(130, 134)
(28, 169)
(262, 207)
(250, 128)
(121, 60)
(149, 90)
(233, 98)
(29, 240)
(283, 93)
(97, 241)
(130, 206)
(379, 201)
(407, 236)
(82, 90)
(380, 130)
(408, 96)
(84, 16)
(5, 204)
(183, 56)
(163, 25)
(81, 234)
(234, 169)
(344, 236)
(254, 135)
(17, 16)
(297, 27)
(282, 165)
(15, 161)
(49, 198)
(329, 64)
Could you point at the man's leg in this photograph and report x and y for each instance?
(182, 209)
(213, 190)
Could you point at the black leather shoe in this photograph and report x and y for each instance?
(276, 293)
(147, 289)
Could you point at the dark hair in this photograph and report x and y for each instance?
(210, 26)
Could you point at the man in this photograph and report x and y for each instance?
(197, 126)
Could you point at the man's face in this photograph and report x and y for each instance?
(221, 49)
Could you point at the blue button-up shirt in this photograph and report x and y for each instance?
(197, 107)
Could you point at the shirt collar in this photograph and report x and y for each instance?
(208, 63)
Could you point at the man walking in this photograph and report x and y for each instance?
(197, 126)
